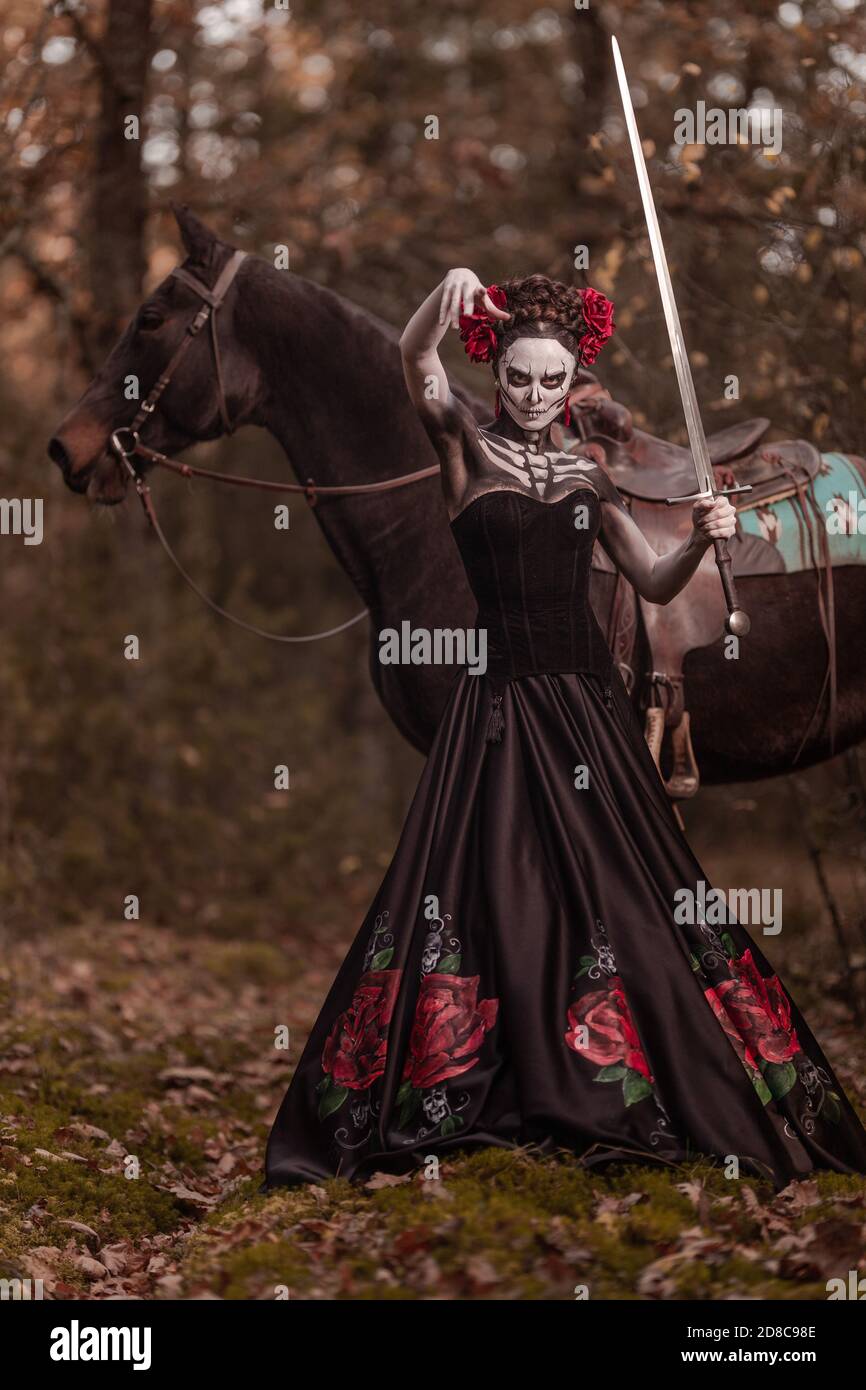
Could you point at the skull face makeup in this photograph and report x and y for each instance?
(534, 376)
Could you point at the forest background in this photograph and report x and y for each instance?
(304, 127)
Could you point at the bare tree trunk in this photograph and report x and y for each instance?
(114, 230)
(590, 44)
(118, 197)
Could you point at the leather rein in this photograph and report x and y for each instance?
(125, 443)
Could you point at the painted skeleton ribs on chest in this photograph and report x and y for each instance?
(541, 473)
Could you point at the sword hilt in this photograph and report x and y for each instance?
(738, 622)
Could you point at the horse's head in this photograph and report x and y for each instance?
(189, 409)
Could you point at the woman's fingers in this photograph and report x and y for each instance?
(445, 304)
(452, 301)
(455, 298)
(463, 293)
(489, 307)
(714, 517)
(714, 507)
(464, 301)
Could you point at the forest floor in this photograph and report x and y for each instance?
(138, 1078)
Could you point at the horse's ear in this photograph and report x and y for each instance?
(199, 241)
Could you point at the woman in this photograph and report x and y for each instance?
(529, 939)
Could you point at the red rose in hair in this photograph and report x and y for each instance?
(477, 329)
(355, 1051)
(449, 1027)
(612, 1036)
(597, 312)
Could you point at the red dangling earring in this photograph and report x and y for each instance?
(498, 403)
(566, 419)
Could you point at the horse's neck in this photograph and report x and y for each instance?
(335, 400)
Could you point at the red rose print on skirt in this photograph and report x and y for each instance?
(759, 1011)
(355, 1051)
(611, 1034)
(448, 1029)
(778, 1041)
(737, 1041)
(601, 1029)
(755, 1013)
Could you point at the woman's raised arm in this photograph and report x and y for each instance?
(460, 292)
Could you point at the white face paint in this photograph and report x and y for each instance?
(535, 376)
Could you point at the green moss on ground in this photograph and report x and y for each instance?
(500, 1224)
(160, 1046)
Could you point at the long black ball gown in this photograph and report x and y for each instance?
(521, 976)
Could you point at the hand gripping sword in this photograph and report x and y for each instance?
(737, 622)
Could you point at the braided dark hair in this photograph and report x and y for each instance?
(582, 320)
(541, 307)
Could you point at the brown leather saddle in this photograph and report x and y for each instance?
(646, 471)
(652, 469)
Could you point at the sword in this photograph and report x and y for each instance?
(737, 621)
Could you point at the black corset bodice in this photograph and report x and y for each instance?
(528, 563)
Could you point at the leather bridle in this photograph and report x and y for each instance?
(213, 298)
(126, 445)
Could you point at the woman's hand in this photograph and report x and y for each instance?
(463, 293)
(714, 519)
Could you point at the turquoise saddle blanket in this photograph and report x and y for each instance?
(839, 491)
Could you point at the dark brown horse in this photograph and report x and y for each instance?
(325, 379)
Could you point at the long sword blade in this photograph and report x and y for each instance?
(697, 438)
(738, 621)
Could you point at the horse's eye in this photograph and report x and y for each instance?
(149, 319)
